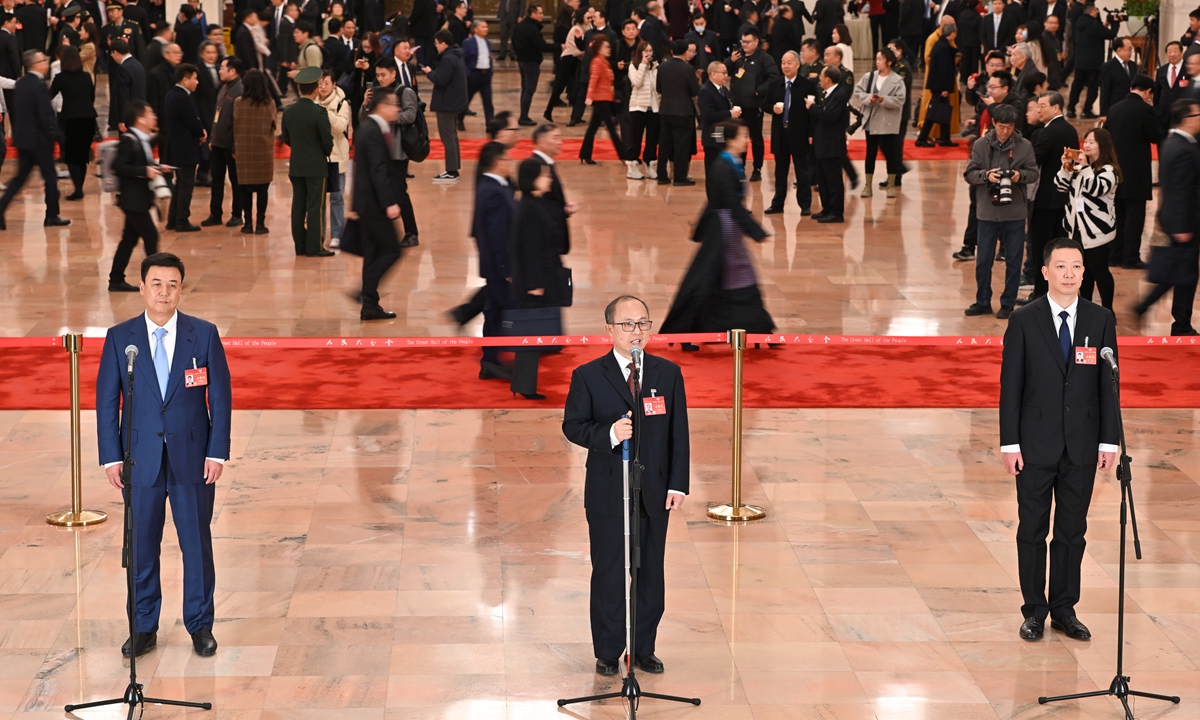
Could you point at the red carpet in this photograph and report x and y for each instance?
(791, 377)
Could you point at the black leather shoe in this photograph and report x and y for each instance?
(122, 287)
(233, 221)
(1032, 629)
(684, 183)
(1137, 265)
(805, 212)
(375, 313)
(1004, 312)
(831, 219)
(526, 122)
(56, 221)
(1072, 628)
(573, 123)
(322, 253)
(533, 396)
(262, 230)
(773, 210)
(212, 220)
(978, 309)
(187, 228)
(247, 229)
(492, 371)
(3, 225)
(756, 176)
(607, 666)
(410, 240)
(204, 642)
(143, 642)
(819, 215)
(648, 663)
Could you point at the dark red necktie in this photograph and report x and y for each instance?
(632, 382)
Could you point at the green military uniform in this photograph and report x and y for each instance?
(306, 129)
(128, 31)
(812, 71)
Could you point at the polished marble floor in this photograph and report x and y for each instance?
(886, 271)
(433, 564)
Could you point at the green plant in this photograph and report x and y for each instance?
(1141, 8)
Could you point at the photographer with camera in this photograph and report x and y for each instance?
(1002, 166)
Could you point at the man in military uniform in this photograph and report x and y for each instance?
(72, 19)
(810, 60)
(120, 27)
(306, 129)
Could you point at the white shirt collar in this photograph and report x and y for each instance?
(548, 160)
(830, 90)
(139, 134)
(624, 363)
(383, 126)
(502, 180)
(170, 326)
(1055, 308)
(1184, 133)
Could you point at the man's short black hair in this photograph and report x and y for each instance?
(378, 96)
(5, 18)
(187, 11)
(1005, 78)
(1006, 114)
(1174, 42)
(305, 27)
(120, 47)
(234, 64)
(751, 32)
(628, 21)
(1060, 243)
(995, 55)
(1182, 109)
(679, 48)
(444, 37)
(610, 310)
(498, 123)
(1142, 82)
(389, 64)
(185, 70)
(531, 8)
(1195, 13)
(811, 43)
(543, 129)
(133, 110)
(162, 259)
(834, 75)
(490, 154)
(335, 26)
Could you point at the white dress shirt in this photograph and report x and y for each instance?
(485, 54)
(545, 158)
(1072, 310)
(624, 364)
(502, 180)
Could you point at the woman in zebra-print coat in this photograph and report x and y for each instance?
(1091, 182)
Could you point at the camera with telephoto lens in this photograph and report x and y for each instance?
(1114, 17)
(1002, 192)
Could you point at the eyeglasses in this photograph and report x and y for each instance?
(643, 325)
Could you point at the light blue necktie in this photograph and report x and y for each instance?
(161, 368)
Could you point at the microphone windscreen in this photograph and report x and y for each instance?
(131, 350)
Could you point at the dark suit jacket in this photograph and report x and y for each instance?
(831, 118)
(205, 96)
(678, 85)
(194, 422)
(1134, 130)
(130, 85)
(1039, 8)
(160, 82)
(423, 21)
(1165, 93)
(1179, 180)
(244, 48)
(795, 138)
(338, 55)
(130, 166)
(943, 76)
(1048, 148)
(1008, 31)
(1090, 36)
(222, 132)
(34, 126)
(1115, 80)
(189, 37)
(375, 194)
(534, 244)
(78, 94)
(10, 56)
(560, 200)
(1046, 405)
(305, 128)
(32, 17)
(371, 19)
(827, 14)
(598, 397)
(714, 108)
(183, 128)
(492, 226)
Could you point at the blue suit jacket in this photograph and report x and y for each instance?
(494, 211)
(194, 422)
(470, 48)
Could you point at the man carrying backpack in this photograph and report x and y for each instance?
(411, 140)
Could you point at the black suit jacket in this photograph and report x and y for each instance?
(34, 126)
(827, 14)
(1038, 10)
(205, 96)
(423, 21)
(371, 19)
(1165, 93)
(598, 397)
(714, 107)
(795, 137)
(130, 166)
(1008, 31)
(189, 38)
(1090, 36)
(1048, 406)
(244, 48)
(831, 119)
(1115, 80)
(1134, 130)
(10, 56)
(678, 85)
(160, 82)
(492, 226)
(1048, 147)
(32, 17)
(374, 194)
(560, 200)
(183, 128)
(1179, 181)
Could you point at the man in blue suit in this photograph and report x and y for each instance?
(180, 441)
(492, 228)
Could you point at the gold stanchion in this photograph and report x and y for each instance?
(736, 511)
(76, 516)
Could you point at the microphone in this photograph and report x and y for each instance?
(131, 352)
(635, 354)
(1107, 354)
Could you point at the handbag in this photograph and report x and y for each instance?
(566, 292)
(1173, 264)
(939, 110)
(351, 240)
(333, 177)
(527, 322)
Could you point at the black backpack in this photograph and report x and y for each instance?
(414, 137)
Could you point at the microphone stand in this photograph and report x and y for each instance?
(1119, 687)
(133, 692)
(630, 691)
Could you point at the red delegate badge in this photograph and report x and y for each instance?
(198, 377)
(654, 405)
(1085, 356)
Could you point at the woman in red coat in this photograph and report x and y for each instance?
(601, 96)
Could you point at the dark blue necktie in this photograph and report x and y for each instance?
(787, 102)
(1064, 337)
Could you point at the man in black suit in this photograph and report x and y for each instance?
(599, 415)
(999, 30)
(831, 115)
(1041, 9)
(715, 106)
(188, 35)
(1134, 129)
(136, 167)
(1058, 425)
(371, 19)
(185, 132)
(34, 25)
(491, 227)
(35, 131)
(547, 144)
(1179, 209)
(1116, 76)
(159, 82)
(221, 145)
(423, 22)
(129, 84)
(826, 15)
(375, 198)
(10, 59)
(1050, 204)
(752, 74)
(1090, 35)
(1170, 84)
(790, 131)
(678, 86)
(529, 47)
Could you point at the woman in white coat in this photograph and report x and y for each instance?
(881, 96)
(643, 112)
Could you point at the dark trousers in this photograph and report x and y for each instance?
(1011, 233)
(192, 510)
(530, 71)
(916, 44)
(676, 135)
(1181, 303)
(1096, 273)
(1131, 223)
(248, 193)
(831, 186)
(893, 149)
(43, 160)
(785, 159)
(381, 250)
(407, 214)
(753, 118)
(180, 209)
(308, 214)
(480, 82)
(564, 79)
(971, 232)
(492, 299)
(648, 122)
(711, 155)
(927, 127)
(1070, 486)
(222, 162)
(607, 545)
(878, 39)
(447, 125)
(602, 113)
(137, 225)
(1084, 78)
(1044, 226)
(969, 63)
